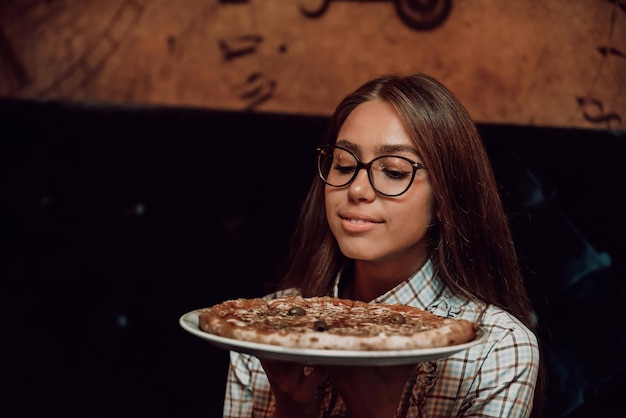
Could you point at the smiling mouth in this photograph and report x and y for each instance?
(358, 225)
(359, 221)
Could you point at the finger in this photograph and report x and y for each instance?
(310, 378)
(283, 375)
(298, 380)
(272, 367)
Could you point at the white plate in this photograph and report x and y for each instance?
(189, 322)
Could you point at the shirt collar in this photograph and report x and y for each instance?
(423, 289)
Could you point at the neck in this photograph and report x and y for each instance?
(372, 280)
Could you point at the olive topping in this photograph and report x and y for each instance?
(398, 319)
(296, 311)
(320, 326)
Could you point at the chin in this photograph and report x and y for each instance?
(365, 254)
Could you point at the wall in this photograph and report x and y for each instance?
(534, 62)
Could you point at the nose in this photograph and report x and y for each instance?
(361, 188)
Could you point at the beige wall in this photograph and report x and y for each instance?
(527, 62)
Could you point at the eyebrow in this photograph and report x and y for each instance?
(390, 149)
(382, 150)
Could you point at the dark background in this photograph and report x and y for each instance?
(116, 220)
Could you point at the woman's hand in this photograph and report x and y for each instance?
(294, 386)
(370, 392)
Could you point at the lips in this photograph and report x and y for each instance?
(358, 222)
(358, 218)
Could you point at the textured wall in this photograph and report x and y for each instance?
(532, 62)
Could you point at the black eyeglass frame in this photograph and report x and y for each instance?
(367, 166)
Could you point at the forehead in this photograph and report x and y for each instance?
(374, 127)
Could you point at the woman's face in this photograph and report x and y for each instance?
(369, 226)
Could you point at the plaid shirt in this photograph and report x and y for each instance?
(493, 379)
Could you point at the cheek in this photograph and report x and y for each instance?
(329, 203)
(414, 222)
(414, 219)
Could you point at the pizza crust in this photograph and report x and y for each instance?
(329, 323)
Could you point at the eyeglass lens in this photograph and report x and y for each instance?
(389, 175)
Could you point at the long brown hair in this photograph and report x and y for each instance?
(471, 244)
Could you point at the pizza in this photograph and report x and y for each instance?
(330, 323)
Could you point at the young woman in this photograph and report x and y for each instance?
(405, 210)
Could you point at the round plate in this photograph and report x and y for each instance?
(189, 322)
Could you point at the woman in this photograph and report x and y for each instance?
(406, 210)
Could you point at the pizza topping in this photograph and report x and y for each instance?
(296, 311)
(333, 323)
(398, 319)
(320, 326)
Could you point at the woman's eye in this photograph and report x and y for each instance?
(345, 169)
(396, 174)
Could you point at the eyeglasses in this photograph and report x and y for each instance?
(389, 175)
